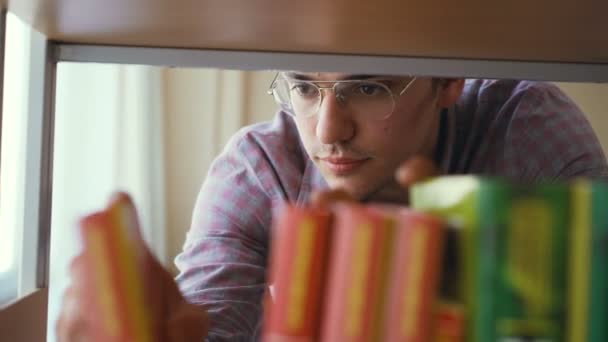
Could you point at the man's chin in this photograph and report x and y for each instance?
(366, 192)
(355, 190)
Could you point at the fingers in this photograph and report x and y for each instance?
(77, 271)
(71, 325)
(322, 199)
(415, 170)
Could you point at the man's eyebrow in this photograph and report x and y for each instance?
(304, 77)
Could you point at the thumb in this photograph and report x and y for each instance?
(414, 170)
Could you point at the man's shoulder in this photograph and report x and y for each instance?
(525, 129)
(276, 139)
(486, 103)
(269, 155)
(280, 128)
(505, 91)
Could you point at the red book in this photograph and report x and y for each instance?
(115, 274)
(449, 323)
(358, 283)
(415, 277)
(297, 269)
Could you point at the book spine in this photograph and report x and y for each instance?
(298, 260)
(456, 199)
(492, 211)
(359, 276)
(123, 226)
(532, 281)
(579, 261)
(117, 274)
(415, 277)
(598, 294)
(102, 281)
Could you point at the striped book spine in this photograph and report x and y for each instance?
(298, 260)
(415, 277)
(117, 275)
(588, 274)
(358, 275)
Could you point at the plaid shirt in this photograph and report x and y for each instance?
(523, 131)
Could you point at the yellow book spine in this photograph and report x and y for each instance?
(122, 219)
(578, 300)
(299, 286)
(107, 299)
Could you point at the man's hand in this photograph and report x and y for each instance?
(177, 320)
(414, 170)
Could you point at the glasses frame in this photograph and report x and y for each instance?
(394, 96)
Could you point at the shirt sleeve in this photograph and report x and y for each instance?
(222, 265)
(551, 139)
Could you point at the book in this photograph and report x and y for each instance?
(384, 274)
(477, 210)
(115, 273)
(531, 288)
(588, 275)
(414, 279)
(297, 272)
(359, 270)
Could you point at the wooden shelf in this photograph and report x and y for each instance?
(517, 30)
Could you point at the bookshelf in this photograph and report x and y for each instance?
(553, 40)
(556, 31)
(563, 40)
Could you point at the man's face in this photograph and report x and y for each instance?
(359, 153)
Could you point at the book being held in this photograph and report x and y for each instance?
(116, 274)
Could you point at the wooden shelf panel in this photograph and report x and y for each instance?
(517, 30)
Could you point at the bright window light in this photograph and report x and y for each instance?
(12, 164)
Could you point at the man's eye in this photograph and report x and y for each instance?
(370, 89)
(304, 89)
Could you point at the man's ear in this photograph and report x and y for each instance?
(450, 90)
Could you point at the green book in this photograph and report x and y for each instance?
(588, 273)
(531, 286)
(478, 208)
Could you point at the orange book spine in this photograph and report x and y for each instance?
(102, 287)
(116, 273)
(415, 272)
(358, 274)
(297, 273)
(131, 268)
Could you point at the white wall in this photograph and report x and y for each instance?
(197, 98)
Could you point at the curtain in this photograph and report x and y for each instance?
(12, 171)
(108, 137)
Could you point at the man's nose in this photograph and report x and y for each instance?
(335, 124)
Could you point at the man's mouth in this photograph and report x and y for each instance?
(341, 166)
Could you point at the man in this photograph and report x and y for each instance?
(349, 132)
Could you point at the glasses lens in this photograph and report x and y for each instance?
(281, 92)
(366, 98)
(373, 100)
(301, 96)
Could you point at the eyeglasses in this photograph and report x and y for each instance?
(374, 99)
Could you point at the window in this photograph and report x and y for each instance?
(13, 162)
